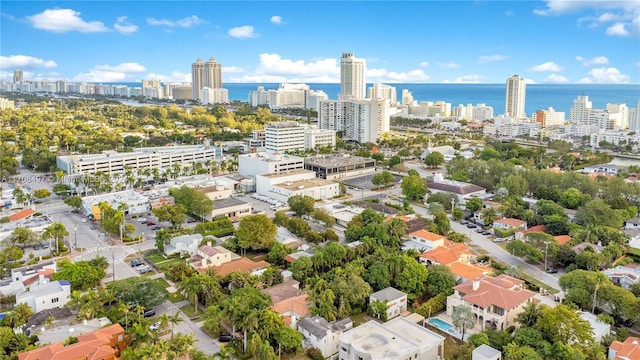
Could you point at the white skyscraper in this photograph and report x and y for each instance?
(515, 98)
(353, 77)
(212, 74)
(358, 120)
(580, 109)
(382, 91)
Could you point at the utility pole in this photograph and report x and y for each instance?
(546, 249)
(113, 264)
(75, 236)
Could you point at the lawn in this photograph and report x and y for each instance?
(161, 262)
(176, 297)
(160, 284)
(191, 314)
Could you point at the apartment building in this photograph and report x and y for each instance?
(287, 96)
(268, 162)
(153, 157)
(284, 136)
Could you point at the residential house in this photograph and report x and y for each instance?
(629, 349)
(486, 204)
(397, 339)
(104, 344)
(289, 301)
(496, 301)
(210, 256)
(297, 255)
(323, 335)
(45, 296)
(423, 240)
(624, 276)
(458, 258)
(562, 239)
(633, 223)
(485, 352)
(184, 244)
(21, 278)
(599, 328)
(584, 245)
(634, 238)
(462, 190)
(395, 300)
(242, 264)
(520, 234)
(509, 224)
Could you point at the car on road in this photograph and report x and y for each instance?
(36, 247)
(151, 223)
(84, 220)
(225, 337)
(551, 271)
(191, 220)
(463, 222)
(45, 245)
(472, 226)
(156, 227)
(93, 228)
(498, 240)
(136, 262)
(141, 220)
(149, 313)
(155, 326)
(486, 232)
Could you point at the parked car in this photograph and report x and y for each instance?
(136, 262)
(156, 227)
(463, 222)
(93, 228)
(151, 223)
(551, 271)
(45, 245)
(149, 313)
(486, 232)
(143, 269)
(498, 240)
(191, 220)
(155, 326)
(36, 247)
(225, 337)
(142, 220)
(472, 226)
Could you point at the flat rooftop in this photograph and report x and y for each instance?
(288, 173)
(304, 184)
(110, 154)
(330, 161)
(128, 196)
(228, 202)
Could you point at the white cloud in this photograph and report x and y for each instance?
(232, 70)
(424, 64)
(109, 73)
(242, 32)
(604, 75)
(275, 64)
(411, 76)
(621, 16)
(124, 27)
(548, 66)
(637, 64)
(471, 78)
(276, 20)
(187, 22)
(64, 20)
(25, 62)
(556, 79)
(45, 76)
(175, 76)
(596, 61)
(530, 81)
(617, 29)
(491, 58)
(123, 67)
(449, 65)
(8, 75)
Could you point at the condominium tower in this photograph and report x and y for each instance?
(197, 78)
(18, 76)
(212, 74)
(514, 104)
(353, 77)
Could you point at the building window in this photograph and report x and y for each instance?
(54, 300)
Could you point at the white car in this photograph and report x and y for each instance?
(84, 220)
(154, 326)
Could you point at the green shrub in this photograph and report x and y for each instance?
(314, 354)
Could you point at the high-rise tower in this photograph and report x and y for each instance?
(18, 76)
(197, 78)
(353, 77)
(212, 74)
(514, 104)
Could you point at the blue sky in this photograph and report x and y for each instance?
(553, 41)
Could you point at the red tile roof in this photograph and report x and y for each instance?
(427, 235)
(243, 264)
(446, 255)
(468, 271)
(296, 305)
(627, 350)
(511, 222)
(562, 239)
(503, 291)
(22, 214)
(537, 228)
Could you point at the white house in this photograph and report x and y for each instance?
(184, 244)
(395, 299)
(600, 329)
(423, 240)
(323, 335)
(397, 339)
(509, 223)
(485, 352)
(50, 295)
(624, 276)
(462, 190)
(633, 223)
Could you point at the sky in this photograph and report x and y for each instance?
(545, 42)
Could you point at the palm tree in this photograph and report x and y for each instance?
(225, 353)
(270, 321)
(55, 230)
(75, 300)
(248, 321)
(601, 279)
(529, 315)
(463, 318)
(138, 309)
(191, 287)
(175, 319)
(489, 215)
(213, 318)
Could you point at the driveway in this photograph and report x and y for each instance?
(203, 342)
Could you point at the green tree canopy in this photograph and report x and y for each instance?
(256, 231)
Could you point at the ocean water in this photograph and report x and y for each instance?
(538, 96)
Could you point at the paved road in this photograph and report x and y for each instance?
(203, 342)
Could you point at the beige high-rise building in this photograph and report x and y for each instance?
(18, 76)
(212, 74)
(353, 77)
(197, 78)
(515, 98)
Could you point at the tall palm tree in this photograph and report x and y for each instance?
(530, 314)
(248, 321)
(191, 287)
(175, 319)
(601, 279)
(463, 318)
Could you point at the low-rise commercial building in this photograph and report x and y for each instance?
(340, 166)
(230, 207)
(298, 182)
(133, 203)
(268, 163)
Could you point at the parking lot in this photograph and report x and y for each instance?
(364, 182)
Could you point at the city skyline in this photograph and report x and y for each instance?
(550, 41)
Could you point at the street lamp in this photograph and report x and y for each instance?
(75, 236)
(453, 202)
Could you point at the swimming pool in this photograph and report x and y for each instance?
(442, 325)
